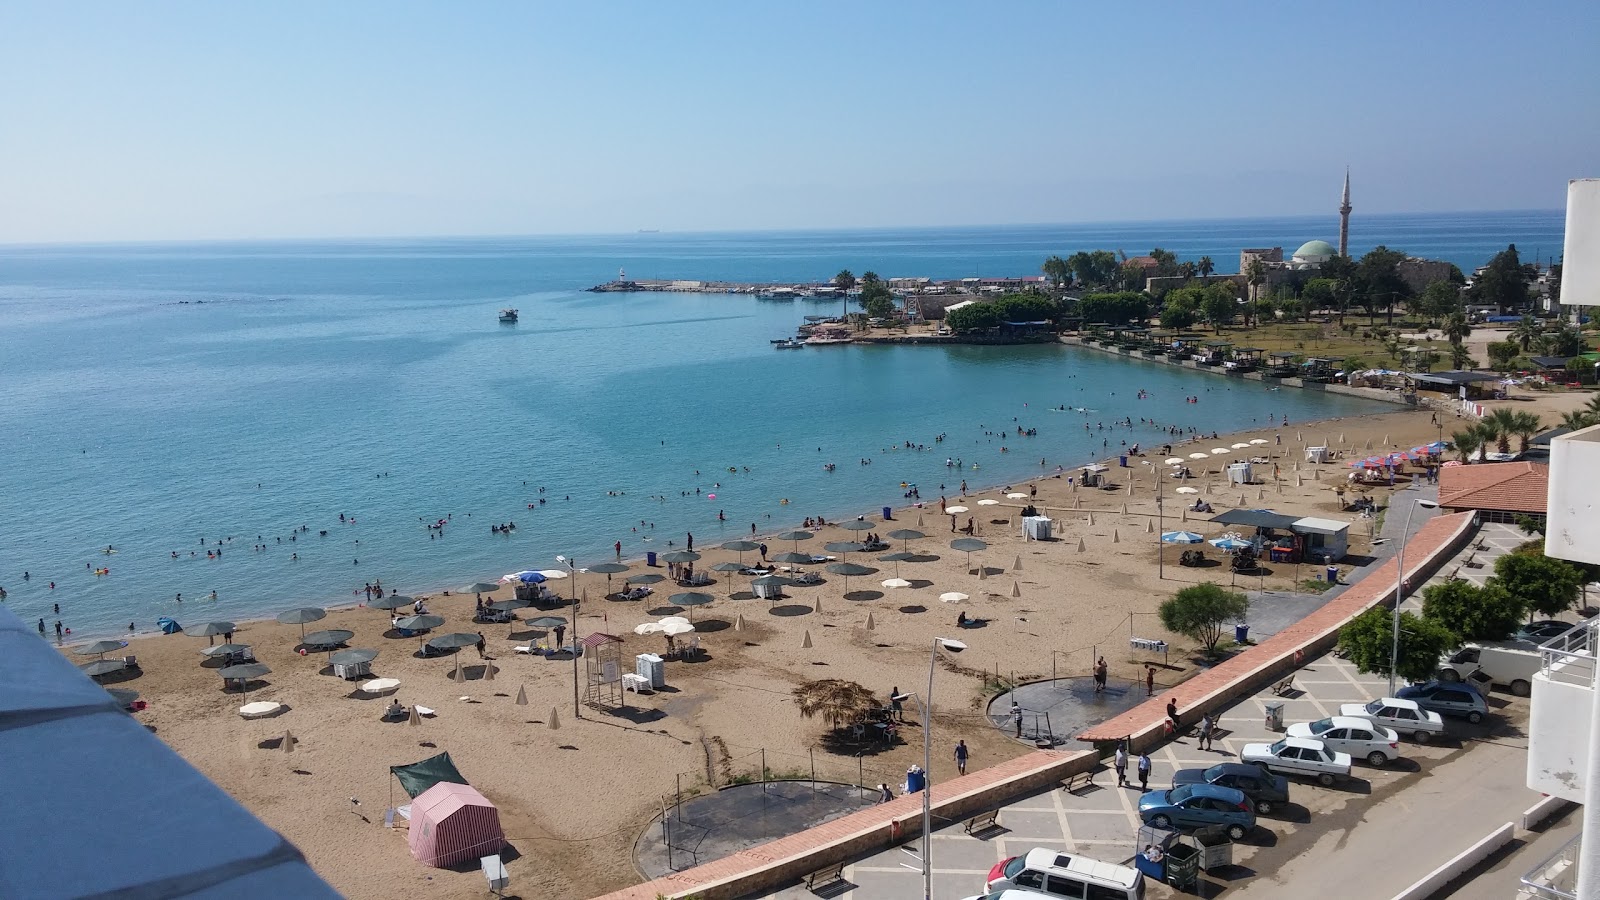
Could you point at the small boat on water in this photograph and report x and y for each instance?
(788, 344)
(508, 316)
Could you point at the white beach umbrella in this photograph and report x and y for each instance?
(892, 583)
(1241, 446)
(954, 597)
(987, 502)
(955, 509)
(380, 685)
(1188, 490)
(648, 628)
(1258, 441)
(1175, 460)
(553, 574)
(667, 620)
(674, 629)
(1016, 495)
(1198, 455)
(1219, 451)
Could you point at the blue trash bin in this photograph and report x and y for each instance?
(1124, 460)
(650, 558)
(888, 513)
(1241, 633)
(1333, 574)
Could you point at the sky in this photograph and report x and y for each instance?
(173, 121)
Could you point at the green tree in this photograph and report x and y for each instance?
(1205, 267)
(1461, 358)
(1439, 300)
(1341, 272)
(980, 316)
(1114, 309)
(1319, 294)
(1368, 641)
(1255, 274)
(1565, 341)
(1525, 332)
(1502, 354)
(1201, 611)
(1455, 328)
(1524, 425)
(845, 280)
(1466, 442)
(1473, 613)
(1218, 309)
(1094, 269)
(1166, 262)
(1503, 283)
(870, 278)
(1544, 584)
(1292, 310)
(1058, 271)
(1378, 276)
(1488, 436)
(1504, 422)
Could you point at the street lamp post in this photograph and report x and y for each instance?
(1399, 590)
(953, 646)
(577, 710)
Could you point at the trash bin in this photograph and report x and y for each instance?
(650, 558)
(1275, 716)
(888, 513)
(1124, 461)
(1241, 633)
(1333, 574)
(1183, 867)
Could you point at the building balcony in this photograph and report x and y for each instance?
(1561, 711)
(1557, 877)
(1574, 504)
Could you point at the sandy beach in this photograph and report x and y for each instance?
(574, 798)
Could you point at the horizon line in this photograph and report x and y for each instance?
(113, 242)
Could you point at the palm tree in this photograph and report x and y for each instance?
(1504, 423)
(1525, 332)
(1488, 435)
(1254, 275)
(1579, 418)
(1205, 267)
(1456, 328)
(1525, 426)
(1466, 442)
(1460, 358)
(1186, 269)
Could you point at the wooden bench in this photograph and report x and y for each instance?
(983, 821)
(1077, 781)
(1283, 687)
(825, 876)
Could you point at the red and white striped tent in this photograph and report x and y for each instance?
(453, 822)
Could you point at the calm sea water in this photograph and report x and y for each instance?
(371, 379)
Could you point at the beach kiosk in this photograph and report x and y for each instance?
(1323, 539)
(1317, 455)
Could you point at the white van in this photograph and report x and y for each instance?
(1510, 664)
(1056, 874)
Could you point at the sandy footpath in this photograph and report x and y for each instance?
(574, 798)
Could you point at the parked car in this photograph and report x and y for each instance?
(1265, 789)
(1508, 663)
(1361, 738)
(1056, 874)
(1300, 756)
(1199, 805)
(1404, 716)
(1448, 699)
(1542, 630)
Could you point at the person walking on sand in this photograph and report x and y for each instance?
(481, 643)
(961, 757)
(1119, 761)
(1144, 771)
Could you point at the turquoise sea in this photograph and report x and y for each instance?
(159, 398)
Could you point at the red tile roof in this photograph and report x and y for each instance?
(1507, 487)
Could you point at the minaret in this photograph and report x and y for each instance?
(1344, 217)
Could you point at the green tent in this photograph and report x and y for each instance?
(419, 776)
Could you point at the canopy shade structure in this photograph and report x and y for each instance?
(1229, 544)
(211, 629)
(646, 578)
(332, 637)
(1256, 518)
(791, 558)
(1188, 490)
(968, 545)
(955, 509)
(453, 640)
(393, 601)
(953, 597)
(479, 587)
(1181, 537)
(727, 567)
(987, 502)
(508, 605)
(303, 615)
(224, 650)
(419, 776)
(100, 648)
(453, 823)
(607, 568)
(844, 547)
(353, 657)
(796, 536)
(244, 672)
(741, 546)
(690, 598)
(97, 667)
(679, 556)
(1198, 455)
(419, 623)
(858, 525)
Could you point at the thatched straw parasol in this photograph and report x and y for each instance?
(838, 702)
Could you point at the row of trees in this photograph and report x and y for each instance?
(982, 315)
(1496, 430)
(875, 300)
(1525, 583)
(1106, 270)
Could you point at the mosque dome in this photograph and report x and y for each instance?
(1315, 252)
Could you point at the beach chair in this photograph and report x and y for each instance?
(130, 662)
(525, 648)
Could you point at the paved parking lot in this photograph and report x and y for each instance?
(1101, 821)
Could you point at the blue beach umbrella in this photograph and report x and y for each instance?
(1180, 537)
(1230, 544)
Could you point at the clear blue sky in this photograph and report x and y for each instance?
(223, 120)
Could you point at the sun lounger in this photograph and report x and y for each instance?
(525, 648)
(425, 712)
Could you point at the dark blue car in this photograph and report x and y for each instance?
(1198, 805)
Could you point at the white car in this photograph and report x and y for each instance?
(1361, 738)
(1300, 756)
(1404, 716)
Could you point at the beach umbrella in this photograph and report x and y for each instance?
(1180, 537)
(955, 509)
(968, 546)
(608, 569)
(690, 599)
(415, 719)
(1091, 518)
(1219, 451)
(741, 547)
(224, 650)
(100, 648)
(1258, 441)
(858, 525)
(897, 558)
(1241, 446)
(849, 570)
(987, 502)
(212, 629)
(905, 535)
(1229, 543)
(391, 602)
(844, 546)
(546, 621)
(1197, 456)
(646, 578)
(97, 667)
(1174, 460)
(301, 616)
(123, 697)
(457, 674)
(796, 536)
(547, 575)
(454, 639)
(893, 583)
(1188, 490)
(953, 597)
(673, 629)
(478, 588)
(353, 657)
(244, 673)
(529, 576)
(835, 701)
(679, 556)
(770, 581)
(728, 568)
(508, 605)
(647, 628)
(805, 642)
(332, 637)
(522, 695)
(791, 558)
(419, 623)
(380, 685)
(1016, 495)
(1149, 527)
